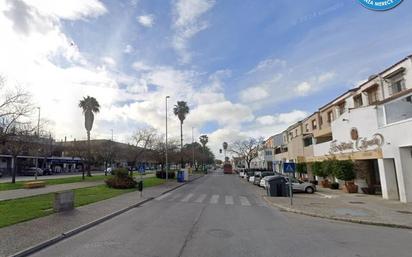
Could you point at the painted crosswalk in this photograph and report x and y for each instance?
(212, 199)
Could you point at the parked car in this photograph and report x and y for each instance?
(47, 171)
(301, 186)
(249, 174)
(260, 175)
(32, 171)
(263, 181)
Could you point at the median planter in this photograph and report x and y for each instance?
(350, 187)
(325, 183)
(34, 184)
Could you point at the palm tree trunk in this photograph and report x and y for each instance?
(89, 174)
(181, 145)
(14, 170)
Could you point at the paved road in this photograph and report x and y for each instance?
(220, 215)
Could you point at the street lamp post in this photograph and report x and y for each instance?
(166, 164)
(38, 136)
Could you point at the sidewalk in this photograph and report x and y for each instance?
(358, 208)
(26, 234)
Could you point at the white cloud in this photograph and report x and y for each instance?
(253, 94)
(109, 61)
(282, 118)
(303, 88)
(70, 10)
(187, 24)
(326, 77)
(128, 49)
(146, 20)
(268, 64)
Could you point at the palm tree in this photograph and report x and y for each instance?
(90, 106)
(203, 140)
(181, 110)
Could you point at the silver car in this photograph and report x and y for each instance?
(301, 186)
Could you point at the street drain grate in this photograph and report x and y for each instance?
(357, 202)
(405, 212)
(316, 204)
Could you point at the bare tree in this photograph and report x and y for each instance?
(246, 149)
(15, 105)
(20, 140)
(142, 141)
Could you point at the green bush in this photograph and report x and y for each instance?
(343, 170)
(301, 168)
(121, 179)
(318, 170)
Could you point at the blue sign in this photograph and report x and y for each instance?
(380, 5)
(289, 167)
(141, 168)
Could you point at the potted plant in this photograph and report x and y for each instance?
(301, 168)
(319, 171)
(343, 170)
(334, 185)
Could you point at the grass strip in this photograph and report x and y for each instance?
(55, 181)
(23, 209)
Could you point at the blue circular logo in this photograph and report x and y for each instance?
(380, 5)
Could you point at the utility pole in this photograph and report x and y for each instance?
(193, 150)
(166, 164)
(38, 136)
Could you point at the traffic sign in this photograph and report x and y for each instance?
(141, 169)
(289, 167)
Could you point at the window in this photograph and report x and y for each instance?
(330, 116)
(314, 124)
(397, 87)
(357, 100)
(341, 108)
(307, 127)
(373, 95)
(296, 132)
(398, 110)
(307, 141)
(320, 121)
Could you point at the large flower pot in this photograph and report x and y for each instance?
(350, 187)
(325, 183)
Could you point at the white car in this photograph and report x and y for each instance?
(242, 174)
(263, 181)
(252, 178)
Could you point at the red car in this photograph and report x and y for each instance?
(227, 168)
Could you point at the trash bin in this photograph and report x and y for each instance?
(180, 176)
(277, 187)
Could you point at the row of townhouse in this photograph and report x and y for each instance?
(370, 124)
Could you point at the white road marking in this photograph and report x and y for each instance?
(244, 201)
(163, 196)
(228, 199)
(214, 199)
(174, 197)
(187, 198)
(201, 198)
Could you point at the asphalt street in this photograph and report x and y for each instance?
(221, 215)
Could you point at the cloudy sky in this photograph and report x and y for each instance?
(246, 68)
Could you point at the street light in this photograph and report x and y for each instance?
(166, 164)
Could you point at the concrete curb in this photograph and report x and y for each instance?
(352, 220)
(35, 248)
